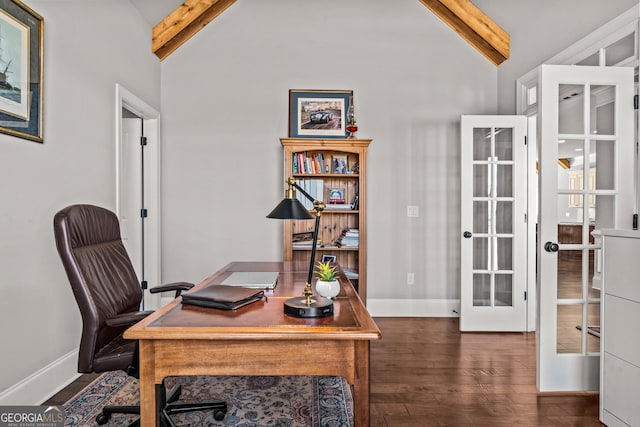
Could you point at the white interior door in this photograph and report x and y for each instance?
(131, 224)
(493, 219)
(586, 155)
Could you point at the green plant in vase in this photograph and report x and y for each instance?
(327, 284)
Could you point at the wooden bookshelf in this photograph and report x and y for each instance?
(333, 221)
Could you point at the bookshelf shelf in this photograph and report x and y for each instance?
(312, 162)
(327, 175)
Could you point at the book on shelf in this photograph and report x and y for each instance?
(302, 236)
(305, 244)
(315, 188)
(338, 207)
(349, 238)
(354, 205)
(310, 163)
(350, 273)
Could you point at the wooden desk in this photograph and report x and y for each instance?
(258, 339)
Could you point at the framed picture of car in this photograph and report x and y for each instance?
(318, 113)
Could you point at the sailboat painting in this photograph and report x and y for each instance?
(21, 76)
(14, 66)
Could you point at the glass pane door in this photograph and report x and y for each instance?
(493, 168)
(585, 151)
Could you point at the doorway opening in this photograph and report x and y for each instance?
(138, 187)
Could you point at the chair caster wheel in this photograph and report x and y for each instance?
(219, 415)
(103, 418)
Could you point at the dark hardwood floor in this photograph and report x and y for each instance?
(71, 390)
(424, 372)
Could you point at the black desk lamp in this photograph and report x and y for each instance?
(290, 207)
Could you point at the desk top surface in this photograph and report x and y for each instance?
(263, 319)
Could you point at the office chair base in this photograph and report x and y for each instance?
(219, 408)
(104, 416)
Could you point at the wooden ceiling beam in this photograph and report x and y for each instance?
(474, 26)
(174, 30)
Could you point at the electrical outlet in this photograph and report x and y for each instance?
(411, 279)
(413, 211)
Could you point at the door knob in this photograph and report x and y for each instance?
(467, 234)
(551, 247)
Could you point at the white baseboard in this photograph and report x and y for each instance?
(41, 385)
(413, 307)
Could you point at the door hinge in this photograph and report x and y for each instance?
(635, 102)
(143, 141)
(143, 213)
(144, 284)
(525, 217)
(525, 140)
(525, 295)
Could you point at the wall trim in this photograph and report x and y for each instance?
(413, 307)
(41, 385)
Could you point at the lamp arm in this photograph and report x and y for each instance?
(318, 207)
(312, 261)
(317, 204)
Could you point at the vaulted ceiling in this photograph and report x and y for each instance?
(461, 15)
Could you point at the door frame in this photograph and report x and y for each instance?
(152, 238)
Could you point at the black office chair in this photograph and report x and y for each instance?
(108, 294)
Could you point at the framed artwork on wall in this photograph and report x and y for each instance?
(318, 113)
(21, 75)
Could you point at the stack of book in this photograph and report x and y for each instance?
(354, 205)
(303, 240)
(350, 273)
(349, 238)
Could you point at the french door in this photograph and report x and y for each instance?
(586, 157)
(493, 219)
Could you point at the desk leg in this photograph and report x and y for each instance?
(148, 412)
(361, 385)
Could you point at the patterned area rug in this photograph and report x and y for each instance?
(252, 401)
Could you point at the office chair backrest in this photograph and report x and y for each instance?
(103, 280)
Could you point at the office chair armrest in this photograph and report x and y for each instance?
(177, 286)
(126, 319)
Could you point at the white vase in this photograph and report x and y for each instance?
(328, 289)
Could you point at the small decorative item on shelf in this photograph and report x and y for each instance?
(351, 119)
(327, 284)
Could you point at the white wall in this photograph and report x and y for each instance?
(90, 45)
(225, 106)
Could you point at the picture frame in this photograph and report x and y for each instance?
(336, 196)
(329, 258)
(339, 164)
(318, 113)
(21, 71)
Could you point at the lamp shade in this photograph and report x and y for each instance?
(290, 209)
